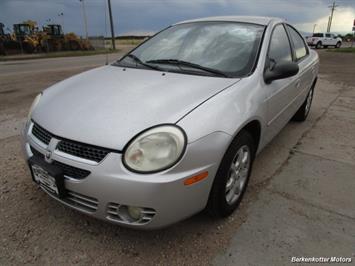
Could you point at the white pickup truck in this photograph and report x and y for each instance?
(324, 39)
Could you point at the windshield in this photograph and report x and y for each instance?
(226, 47)
(317, 35)
(22, 29)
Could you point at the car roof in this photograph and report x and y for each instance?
(246, 19)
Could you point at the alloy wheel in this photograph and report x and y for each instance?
(238, 174)
(308, 102)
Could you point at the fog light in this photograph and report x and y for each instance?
(130, 214)
(135, 212)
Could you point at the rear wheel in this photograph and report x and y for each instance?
(28, 47)
(2, 48)
(232, 176)
(319, 45)
(303, 112)
(74, 45)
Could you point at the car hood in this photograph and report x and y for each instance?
(109, 105)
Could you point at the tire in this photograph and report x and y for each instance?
(28, 48)
(303, 111)
(2, 48)
(243, 146)
(338, 45)
(319, 45)
(74, 45)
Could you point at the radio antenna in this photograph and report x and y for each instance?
(106, 63)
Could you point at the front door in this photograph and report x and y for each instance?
(280, 92)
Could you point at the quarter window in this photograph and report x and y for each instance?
(298, 43)
(280, 50)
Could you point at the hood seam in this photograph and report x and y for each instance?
(213, 95)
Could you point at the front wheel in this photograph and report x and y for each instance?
(303, 111)
(232, 176)
(338, 45)
(28, 47)
(318, 45)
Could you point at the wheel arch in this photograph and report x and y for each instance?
(314, 82)
(254, 128)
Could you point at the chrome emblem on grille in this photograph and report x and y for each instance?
(48, 156)
(50, 150)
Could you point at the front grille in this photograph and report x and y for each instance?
(68, 170)
(83, 150)
(72, 171)
(81, 201)
(78, 149)
(37, 153)
(41, 134)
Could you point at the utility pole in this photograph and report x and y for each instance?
(61, 15)
(314, 28)
(111, 24)
(332, 7)
(85, 19)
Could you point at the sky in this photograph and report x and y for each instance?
(149, 16)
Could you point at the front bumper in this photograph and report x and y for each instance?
(163, 196)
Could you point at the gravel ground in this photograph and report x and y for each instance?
(35, 229)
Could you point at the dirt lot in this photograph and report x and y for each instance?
(300, 203)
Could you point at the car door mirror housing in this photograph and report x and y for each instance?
(280, 71)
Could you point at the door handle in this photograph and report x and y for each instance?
(313, 70)
(298, 84)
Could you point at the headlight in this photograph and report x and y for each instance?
(33, 106)
(155, 149)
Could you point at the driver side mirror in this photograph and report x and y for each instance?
(280, 71)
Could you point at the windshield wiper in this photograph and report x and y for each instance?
(137, 60)
(188, 64)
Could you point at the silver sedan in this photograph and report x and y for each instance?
(174, 126)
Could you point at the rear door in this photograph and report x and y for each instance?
(327, 39)
(306, 67)
(334, 39)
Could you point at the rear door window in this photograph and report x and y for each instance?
(298, 43)
(320, 35)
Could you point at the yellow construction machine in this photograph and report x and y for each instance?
(8, 43)
(28, 37)
(55, 40)
(2, 39)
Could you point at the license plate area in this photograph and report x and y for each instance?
(43, 178)
(48, 176)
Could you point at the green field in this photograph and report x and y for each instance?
(343, 50)
(56, 54)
